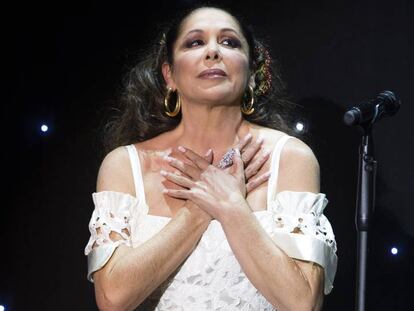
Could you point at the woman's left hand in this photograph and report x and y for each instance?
(216, 191)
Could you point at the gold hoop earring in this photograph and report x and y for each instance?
(177, 104)
(249, 110)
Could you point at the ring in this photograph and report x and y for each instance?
(227, 159)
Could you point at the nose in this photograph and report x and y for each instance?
(213, 53)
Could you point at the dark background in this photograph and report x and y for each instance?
(67, 63)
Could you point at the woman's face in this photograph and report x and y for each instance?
(211, 59)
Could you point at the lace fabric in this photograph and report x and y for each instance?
(302, 212)
(112, 214)
(302, 230)
(212, 279)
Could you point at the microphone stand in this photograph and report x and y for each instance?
(365, 206)
(365, 115)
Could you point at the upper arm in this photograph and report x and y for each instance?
(299, 171)
(298, 168)
(115, 173)
(108, 224)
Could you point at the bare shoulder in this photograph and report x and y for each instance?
(298, 149)
(270, 136)
(115, 172)
(298, 166)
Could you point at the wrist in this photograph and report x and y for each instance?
(234, 209)
(196, 213)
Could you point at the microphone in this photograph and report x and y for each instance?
(386, 104)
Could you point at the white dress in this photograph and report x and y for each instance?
(211, 277)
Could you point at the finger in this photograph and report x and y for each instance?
(179, 194)
(244, 141)
(209, 156)
(256, 182)
(200, 162)
(238, 165)
(185, 168)
(251, 150)
(256, 164)
(179, 180)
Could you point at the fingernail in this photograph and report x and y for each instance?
(168, 159)
(259, 140)
(248, 136)
(208, 152)
(181, 148)
(163, 173)
(237, 151)
(164, 191)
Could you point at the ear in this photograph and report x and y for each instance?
(167, 74)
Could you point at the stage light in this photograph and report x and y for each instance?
(2, 308)
(44, 129)
(300, 127)
(394, 251)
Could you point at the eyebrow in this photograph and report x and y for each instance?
(221, 30)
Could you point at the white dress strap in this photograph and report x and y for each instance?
(274, 168)
(136, 172)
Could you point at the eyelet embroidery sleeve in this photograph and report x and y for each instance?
(112, 213)
(303, 231)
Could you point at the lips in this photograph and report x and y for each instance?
(212, 73)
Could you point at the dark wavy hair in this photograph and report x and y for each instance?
(141, 113)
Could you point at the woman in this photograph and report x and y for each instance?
(179, 221)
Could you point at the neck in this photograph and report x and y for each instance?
(203, 127)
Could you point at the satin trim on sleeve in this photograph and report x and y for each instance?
(99, 256)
